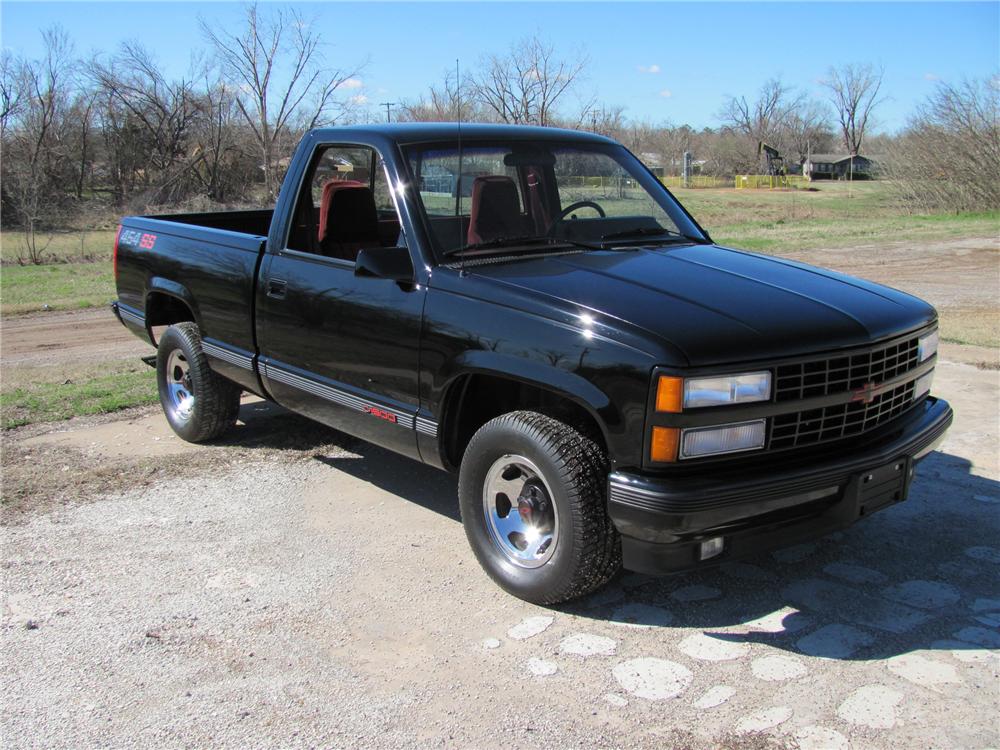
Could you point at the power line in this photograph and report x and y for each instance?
(388, 109)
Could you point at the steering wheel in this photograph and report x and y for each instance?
(570, 209)
(579, 204)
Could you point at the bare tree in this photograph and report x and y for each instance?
(164, 112)
(12, 88)
(275, 62)
(949, 155)
(670, 143)
(762, 118)
(806, 129)
(606, 121)
(525, 85)
(34, 164)
(220, 154)
(451, 102)
(854, 92)
(81, 134)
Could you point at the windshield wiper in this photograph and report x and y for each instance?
(640, 232)
(499, 242)
(529, 239)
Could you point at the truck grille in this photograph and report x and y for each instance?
(822, 377)
(840, 421)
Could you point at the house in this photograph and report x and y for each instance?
(838, 167)
(653, 162)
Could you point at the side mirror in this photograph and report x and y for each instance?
(385, 263)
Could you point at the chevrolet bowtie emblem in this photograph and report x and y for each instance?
(866, 393)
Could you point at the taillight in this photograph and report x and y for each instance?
(114, 257)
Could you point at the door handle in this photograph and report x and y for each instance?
(276, 288)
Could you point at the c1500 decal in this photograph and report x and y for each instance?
(380, 413)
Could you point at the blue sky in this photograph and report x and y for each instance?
(661, 61)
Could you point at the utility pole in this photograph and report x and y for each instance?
(388, 109)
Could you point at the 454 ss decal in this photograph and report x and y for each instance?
(138, 239)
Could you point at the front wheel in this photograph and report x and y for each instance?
(199, 404)
(532, 496)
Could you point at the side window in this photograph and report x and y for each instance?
(383, 196)
(341, 163)
(334, 216)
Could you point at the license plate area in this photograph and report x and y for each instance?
(883, 486)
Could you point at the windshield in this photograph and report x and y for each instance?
(499, 197)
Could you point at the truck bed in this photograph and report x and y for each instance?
(256, 222)
(204, 262)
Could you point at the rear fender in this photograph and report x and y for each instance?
(160, 285)
(169, 288)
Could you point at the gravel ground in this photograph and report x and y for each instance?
(326, 596)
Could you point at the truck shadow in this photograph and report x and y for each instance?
(266, 425)
(921, 575)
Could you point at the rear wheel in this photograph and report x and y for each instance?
(532, 495)
(199, 404)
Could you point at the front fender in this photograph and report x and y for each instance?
(531, 372)
(587, 364)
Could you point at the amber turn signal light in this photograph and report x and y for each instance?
(663, 446)
(670, 394)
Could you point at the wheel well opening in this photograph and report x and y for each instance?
(476, 399)
(165, 310)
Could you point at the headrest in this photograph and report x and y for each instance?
(496, 209)
(331, 187)
(352, 216)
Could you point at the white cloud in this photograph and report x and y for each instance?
(666, 93)
(359, 99)
(353, 83)
(932, 77)
(649, 68)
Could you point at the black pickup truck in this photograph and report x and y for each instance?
(531, 307)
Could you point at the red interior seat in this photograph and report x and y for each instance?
(348, 220)
(496, 209)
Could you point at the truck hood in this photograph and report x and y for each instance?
(716, 305)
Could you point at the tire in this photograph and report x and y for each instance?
(562, 477)
(199, 404)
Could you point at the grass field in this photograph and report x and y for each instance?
(45, 394)
(835, 214)
(60, 286)
(62, 247)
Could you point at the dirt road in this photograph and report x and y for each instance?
(66, 338)
(325, 595)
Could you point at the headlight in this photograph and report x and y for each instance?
(727, 438)
(727, 389)
(927, 346)
(922, 385)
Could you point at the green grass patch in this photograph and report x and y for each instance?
(108, 388)
(789, 235)
(63, 286)
(59, 247)
(835, 214)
